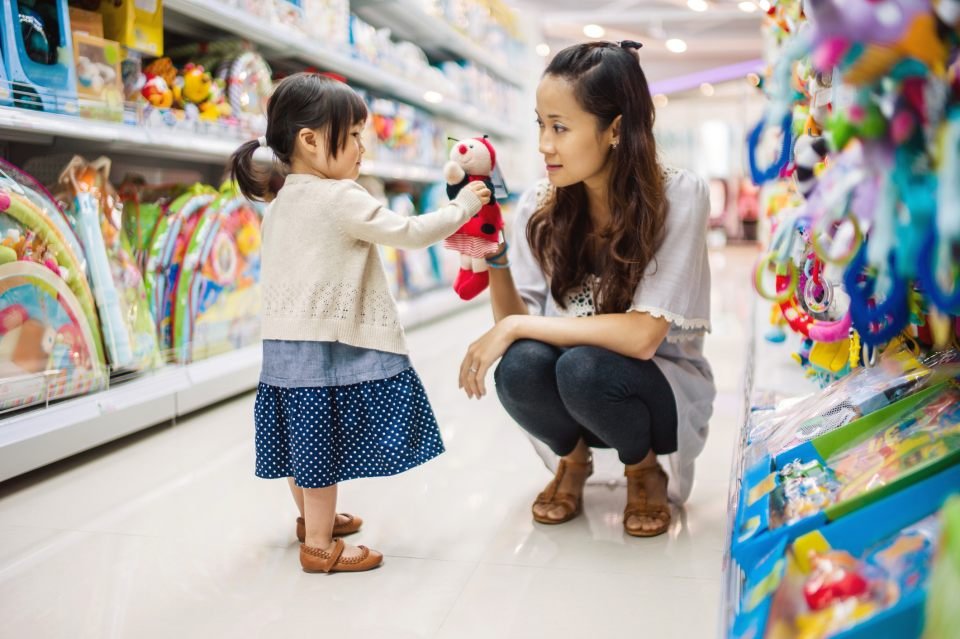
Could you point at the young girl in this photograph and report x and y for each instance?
(337, 398)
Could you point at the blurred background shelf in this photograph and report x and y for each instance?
(436, 36)
(198, 16)
(21, 125)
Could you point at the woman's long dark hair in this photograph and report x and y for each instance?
(608, 82)
(300, 101)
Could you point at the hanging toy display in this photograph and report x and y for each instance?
(876, 221)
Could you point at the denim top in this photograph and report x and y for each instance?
(296, 364)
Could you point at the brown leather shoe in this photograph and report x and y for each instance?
(339, 530)
(571, 504)
(639, 506)
(316, 560)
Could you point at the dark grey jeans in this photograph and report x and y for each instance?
(610, 400)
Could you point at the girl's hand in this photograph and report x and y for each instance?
(483, 353)
(481, 191)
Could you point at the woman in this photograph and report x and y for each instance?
(601, 315)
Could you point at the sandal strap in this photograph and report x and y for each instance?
(640, 473)
(647, 510)
(330, 559)
(345, 561)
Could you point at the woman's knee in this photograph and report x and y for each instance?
(525, 365)
(584, 373)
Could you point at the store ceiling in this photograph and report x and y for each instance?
(721, 35)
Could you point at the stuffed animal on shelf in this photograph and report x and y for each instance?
(473, 160)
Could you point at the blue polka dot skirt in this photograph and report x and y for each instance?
(325, 435)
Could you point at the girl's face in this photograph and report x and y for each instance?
(346, 166)
(574, 148)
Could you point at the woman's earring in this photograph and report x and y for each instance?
(614, 146)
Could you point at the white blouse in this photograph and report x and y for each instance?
(675, 287)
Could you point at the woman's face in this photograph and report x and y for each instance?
(573, 147)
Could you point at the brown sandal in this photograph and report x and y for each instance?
(339, 530)
(317, 560)
(638, 506)
(550, 496)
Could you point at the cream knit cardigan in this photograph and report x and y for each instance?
(321, 275)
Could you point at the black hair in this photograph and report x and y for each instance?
(300, 101)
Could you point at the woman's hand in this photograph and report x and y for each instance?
(484, 353)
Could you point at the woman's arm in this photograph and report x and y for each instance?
(505, 299)
(637, 335)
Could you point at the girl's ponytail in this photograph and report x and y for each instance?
(253, 181)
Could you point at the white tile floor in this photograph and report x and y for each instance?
(168, 534)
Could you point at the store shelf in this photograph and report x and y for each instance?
(277, 41)
(409, 22)
(34, 126)
(768, 369)
(38, 437)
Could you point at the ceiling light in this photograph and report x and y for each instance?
(594, 31)
(660, 100)
(764, 5)
(698, 5)
(433, 97)
(747, 6)
(706, 89)
(543, 50)
(676, 45)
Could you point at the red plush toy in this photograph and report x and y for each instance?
(473, 161)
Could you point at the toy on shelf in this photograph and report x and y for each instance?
(862, 576)
(31, 234)
(136, 24)
(898, 373)
(50, 343)
(167, 250)
(828, 591)
(47, 348)
(473, 160)
(143, 207)
(248, 82)
(37, 48)
(99, 86)
(16, 180)
(927, 434)
(118, 288)
(217, 305)
(199, 95)
(842, 471)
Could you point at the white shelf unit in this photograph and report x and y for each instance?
(287, 42)
(38, 437)
(409, 22)
(34, 126)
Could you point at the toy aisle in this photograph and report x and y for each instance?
(826, 501)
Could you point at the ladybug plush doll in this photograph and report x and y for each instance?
(473, 161)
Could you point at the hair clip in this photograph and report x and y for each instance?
(630, 44)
